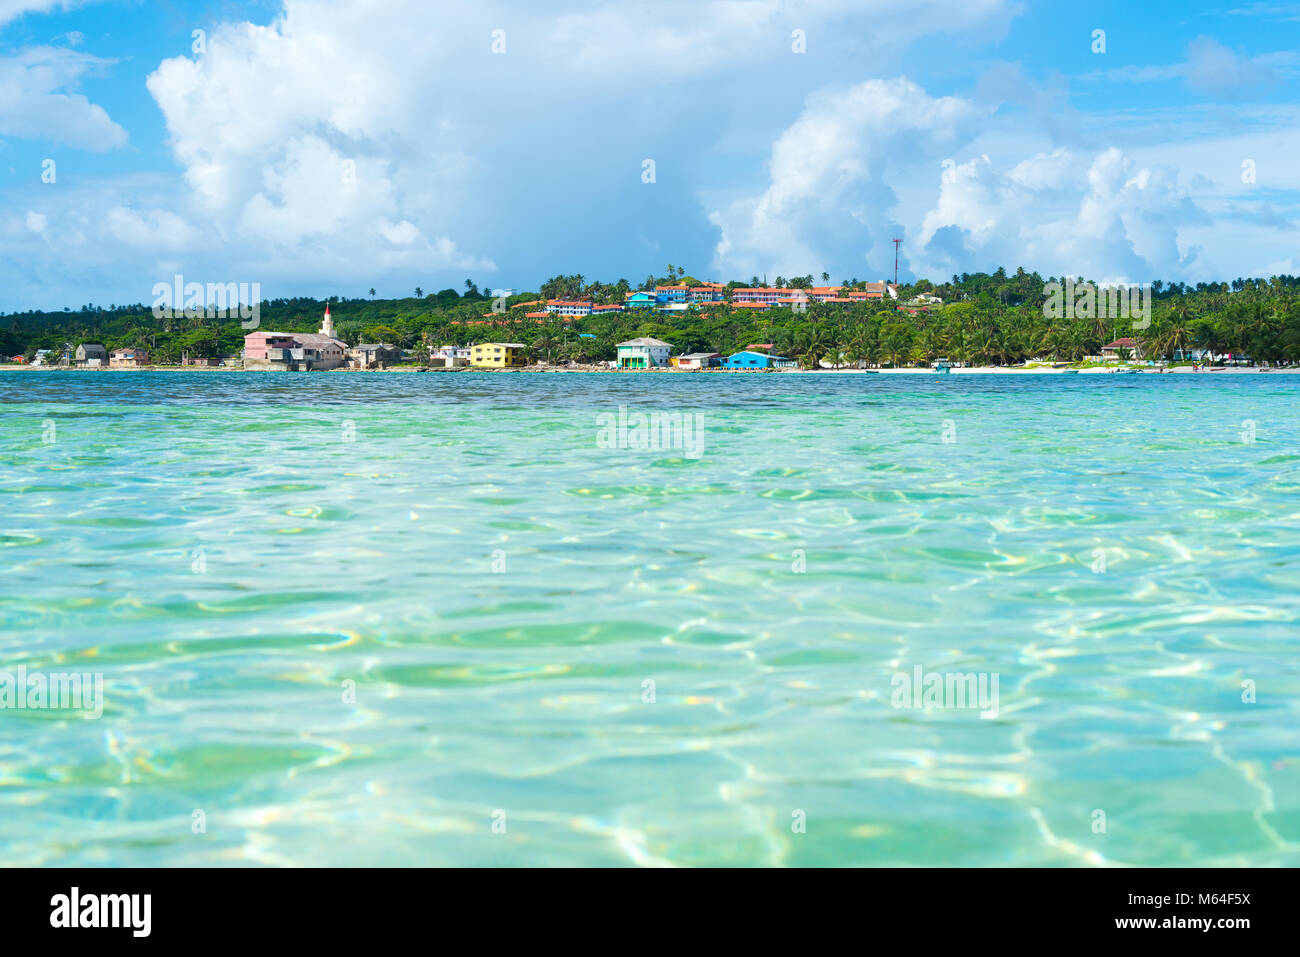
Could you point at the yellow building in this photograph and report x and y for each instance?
(497, 355)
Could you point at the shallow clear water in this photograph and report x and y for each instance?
(230, 551)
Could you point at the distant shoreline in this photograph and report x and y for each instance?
(975, 370)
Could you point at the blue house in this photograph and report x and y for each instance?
(670, 293)
(757, 360)
(641, 300)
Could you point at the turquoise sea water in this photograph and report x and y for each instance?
(239, 554)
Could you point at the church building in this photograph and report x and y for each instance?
(296, 351)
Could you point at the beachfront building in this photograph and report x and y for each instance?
(1111, 349)
(373, 355)
(450, 357)
(643, 353)
(128, 359)
(497, 355)
(757, 360)
(698, 360)
(296, 351)
(92, 355)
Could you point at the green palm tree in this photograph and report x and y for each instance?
(813, 347)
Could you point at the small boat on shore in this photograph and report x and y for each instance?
(942, 366)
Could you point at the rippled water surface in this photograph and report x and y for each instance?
(650, 657)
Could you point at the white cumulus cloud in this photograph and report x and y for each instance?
(1101, 216)
(830, 177)
(36, 100)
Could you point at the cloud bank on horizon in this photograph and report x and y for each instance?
(337, 145)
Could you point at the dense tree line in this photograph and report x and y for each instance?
(987, 318)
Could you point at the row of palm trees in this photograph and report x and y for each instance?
(964, 332)
(1011, 336)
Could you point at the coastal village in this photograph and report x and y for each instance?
(323, 350)
(678, 324)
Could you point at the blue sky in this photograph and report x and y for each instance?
(324, 147)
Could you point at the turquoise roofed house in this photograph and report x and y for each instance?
(757, 360)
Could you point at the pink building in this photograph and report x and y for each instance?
(128, 359)
(786, 297)
(756, 294)
(306, 351)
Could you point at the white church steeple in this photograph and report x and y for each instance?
(327, 324)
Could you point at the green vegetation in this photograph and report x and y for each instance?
(986, 318)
